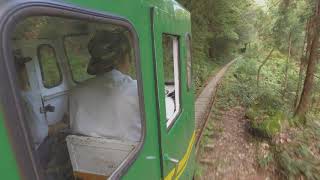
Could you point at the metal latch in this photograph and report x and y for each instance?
(47, 108)
(175, 162)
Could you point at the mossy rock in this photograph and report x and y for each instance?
(268, 126)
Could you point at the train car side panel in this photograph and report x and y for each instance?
(8, 166)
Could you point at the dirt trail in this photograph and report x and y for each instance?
(205, 99)
(230, 153)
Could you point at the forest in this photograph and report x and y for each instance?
(274, 82)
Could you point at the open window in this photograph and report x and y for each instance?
(78, 55)
(170, 46)
(50, 71)
(98, 119)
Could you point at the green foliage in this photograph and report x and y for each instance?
(267, 108)
(301, 156)
(201, 70)
(78, 56)
(209, 131)
(49, 66)
(265, 161)
(222, 27)
(296, 151)
(198, 170)
(267, 126)
(219, 29)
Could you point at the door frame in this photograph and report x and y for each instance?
(172, 167)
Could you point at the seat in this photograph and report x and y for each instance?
(92, 156)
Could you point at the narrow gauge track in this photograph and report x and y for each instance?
(205, 101)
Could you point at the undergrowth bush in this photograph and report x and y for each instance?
(295, 147)
(299, 155)
(203, 68)
(268, 104)
(201, 71)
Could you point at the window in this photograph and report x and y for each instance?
(102, 125)
(171, 77)
(51, 75)
(78, 56)
(189, 61)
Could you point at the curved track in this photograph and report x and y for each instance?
(205, 100)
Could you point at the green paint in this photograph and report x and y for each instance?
(176, 140)
(8, 166)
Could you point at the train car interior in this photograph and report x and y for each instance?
(79, 91)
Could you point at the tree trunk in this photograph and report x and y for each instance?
(313, 102)
(302, 67)
(301, 75)
(309, 80)
(287, 67)
(318, 104)
(306, 94)
(262, 64)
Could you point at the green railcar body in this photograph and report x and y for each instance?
(149, 19)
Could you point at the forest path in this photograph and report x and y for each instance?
(205, 99)
(229, 152)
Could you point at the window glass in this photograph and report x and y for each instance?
(189, 62)
(51, 75)
(100, 122)
(171, 77)
(78, 56)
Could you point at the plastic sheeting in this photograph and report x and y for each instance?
(106, 106)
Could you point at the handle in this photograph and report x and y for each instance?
(47, 108)
(175, 162)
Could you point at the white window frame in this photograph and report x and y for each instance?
(40, 67)
(176, 68)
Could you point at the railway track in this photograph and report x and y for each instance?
(205, 101)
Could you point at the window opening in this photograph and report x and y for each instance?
(50, 71)
(171, 77)
(102, 125)
(78, 56)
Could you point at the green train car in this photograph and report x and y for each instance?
(98, 89)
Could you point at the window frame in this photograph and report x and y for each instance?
(15, 122)
(176, 41)
(41, 66)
